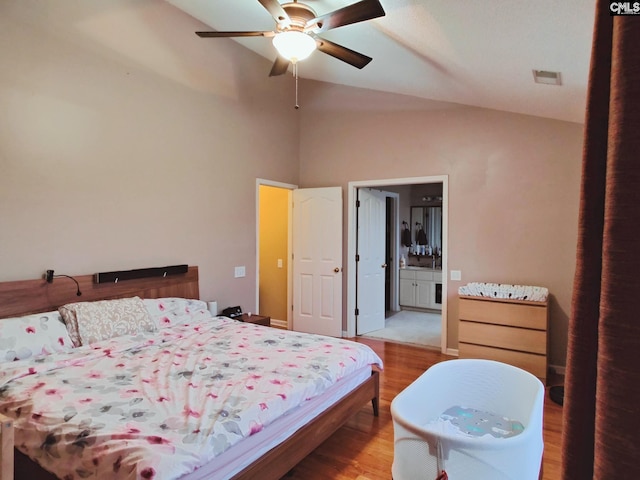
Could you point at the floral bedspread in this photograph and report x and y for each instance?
(159, 405)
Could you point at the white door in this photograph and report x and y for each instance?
(317, 261)
(370, 261)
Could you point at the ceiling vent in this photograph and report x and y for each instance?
(546, 77)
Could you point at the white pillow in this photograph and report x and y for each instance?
(32, 335)
(90, 322)
(166, 312)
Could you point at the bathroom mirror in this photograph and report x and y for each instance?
(426, 226)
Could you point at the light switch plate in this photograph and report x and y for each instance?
(240, 271)
(279, 263)
(456, 275)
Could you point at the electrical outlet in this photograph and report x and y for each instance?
(240, 272)
(456, 275)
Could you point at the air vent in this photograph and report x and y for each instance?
(546, 77)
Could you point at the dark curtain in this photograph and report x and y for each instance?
(601, 431)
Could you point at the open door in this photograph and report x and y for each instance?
(317, 260)
(370, 260)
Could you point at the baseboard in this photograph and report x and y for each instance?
(279, 323)
(558, 369)
(452, 351)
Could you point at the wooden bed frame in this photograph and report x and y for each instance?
(35, 296)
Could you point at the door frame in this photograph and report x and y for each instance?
(394, 299)
(291, 187)
(351, 243)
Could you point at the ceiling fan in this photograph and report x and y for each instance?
(297, 27)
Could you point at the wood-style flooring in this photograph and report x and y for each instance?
(363, 448)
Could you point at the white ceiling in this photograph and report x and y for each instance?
(472, 52)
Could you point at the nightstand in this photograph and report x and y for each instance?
(257, 319)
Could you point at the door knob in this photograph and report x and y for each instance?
(337, 270)
(384, 265)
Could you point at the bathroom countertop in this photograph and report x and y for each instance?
(437, 269)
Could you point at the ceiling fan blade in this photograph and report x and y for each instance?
(277, 12)
(358, 12)
(280, 66)
(234, 34)
(345, 54)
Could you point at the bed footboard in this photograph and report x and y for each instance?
(6, 448)
(278, 461)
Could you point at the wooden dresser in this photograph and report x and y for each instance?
(509, 331)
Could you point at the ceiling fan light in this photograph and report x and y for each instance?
(294, 45)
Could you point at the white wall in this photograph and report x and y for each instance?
(513, 182)
(128, 142)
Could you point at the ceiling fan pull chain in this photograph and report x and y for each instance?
(295, 72)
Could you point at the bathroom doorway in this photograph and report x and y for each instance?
(422, 323)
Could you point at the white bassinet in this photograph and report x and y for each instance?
(422, 447)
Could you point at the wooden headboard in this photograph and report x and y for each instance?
(34, 296)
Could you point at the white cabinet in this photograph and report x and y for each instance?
(420, 288)
(424, 290)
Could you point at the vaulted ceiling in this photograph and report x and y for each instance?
(479, 53)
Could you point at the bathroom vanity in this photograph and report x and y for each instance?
(421, 287)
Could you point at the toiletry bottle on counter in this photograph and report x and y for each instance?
(403, 262)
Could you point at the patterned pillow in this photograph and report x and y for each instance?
(31, 335)
(90, 322)
(166, 312)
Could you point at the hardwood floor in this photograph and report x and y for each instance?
(363, 448)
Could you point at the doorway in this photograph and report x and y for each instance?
(305, 259)
(273, 251)
(352, 248)
(436, 287)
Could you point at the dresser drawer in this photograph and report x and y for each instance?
(499, 313)
(532, 363)
(532, 341)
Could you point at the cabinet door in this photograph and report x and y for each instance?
(407, 292)
(423, 293)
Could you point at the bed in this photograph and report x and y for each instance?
(141, 404)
